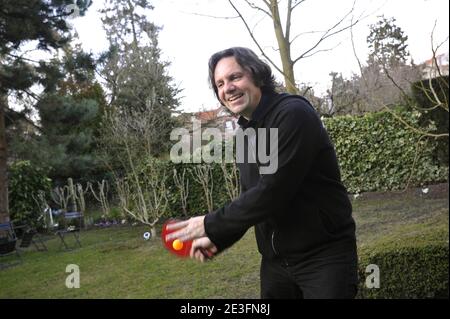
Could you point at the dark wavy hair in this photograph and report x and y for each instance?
(261, 73)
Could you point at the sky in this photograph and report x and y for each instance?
(193, 30)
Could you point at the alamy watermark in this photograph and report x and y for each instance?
(73, 280)
(373, 279)
(261, 147)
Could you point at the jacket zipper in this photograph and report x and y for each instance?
(256, 162)
(273, 243)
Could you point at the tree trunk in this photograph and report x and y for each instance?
(153, 232)
(4, 212)
(285, 50)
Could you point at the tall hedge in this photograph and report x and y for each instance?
(376, 152)
(433, 114)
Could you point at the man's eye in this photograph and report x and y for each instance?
(219, 85)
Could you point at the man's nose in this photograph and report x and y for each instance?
(230, 87)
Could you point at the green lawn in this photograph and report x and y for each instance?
(117, 263)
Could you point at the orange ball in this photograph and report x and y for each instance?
(177, 244)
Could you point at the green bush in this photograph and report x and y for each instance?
(431, 114)
(414, 265)
(376, 152)
(25, 182)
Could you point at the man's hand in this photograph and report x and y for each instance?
(203, 249)
(187, 230)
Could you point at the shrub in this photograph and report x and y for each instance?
(376, 152)
(25, 182)
(411, 266)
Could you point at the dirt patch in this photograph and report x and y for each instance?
(431, 191)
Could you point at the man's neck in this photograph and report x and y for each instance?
(247, 114)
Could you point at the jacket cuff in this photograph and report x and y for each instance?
(210, 223)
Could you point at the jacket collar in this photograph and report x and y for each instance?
(264, 106)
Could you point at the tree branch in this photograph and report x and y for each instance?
(295, 5)
(405, 95)
(419, 131)
(288, 21)
(327, 34)
(354, 52)
(303, 33)
(209, 16)
(434, 50)
(254, 39)
(23, 117)
(322, 50)
(253, 6)
(22, 58)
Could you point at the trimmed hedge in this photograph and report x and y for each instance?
(407, 272)
(376, 152)
(413, 263)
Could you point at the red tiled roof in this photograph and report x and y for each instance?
(208, 115)
(439, 58)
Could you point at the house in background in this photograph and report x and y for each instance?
(430, 69)
(219, 118)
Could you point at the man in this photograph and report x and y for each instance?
(301, 212)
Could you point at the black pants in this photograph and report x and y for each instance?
(330, 277)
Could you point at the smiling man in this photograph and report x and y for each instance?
(235, 88)
(301, 212)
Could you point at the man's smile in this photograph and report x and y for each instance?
(235, 97)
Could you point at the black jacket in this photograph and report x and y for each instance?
(303, 208)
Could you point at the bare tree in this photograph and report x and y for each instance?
(429, 92)
(60, 195)
(72, 194)
(128, 138)
(182, 183)
(202, 174)
(79, 196)
(230, 174)
(101, 196)
(134, 74)
(343, 96)
(282, 29)
(43, 207)
(144, 197)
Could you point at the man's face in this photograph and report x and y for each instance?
(235, 87)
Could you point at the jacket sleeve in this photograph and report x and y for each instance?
(300, 133)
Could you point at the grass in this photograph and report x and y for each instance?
(117, 263)
(403, 218)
